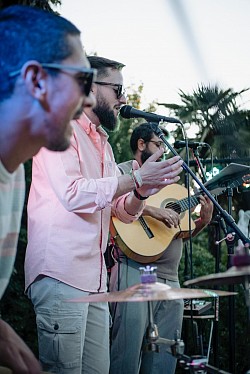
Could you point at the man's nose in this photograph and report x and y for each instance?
(89, 101)
(123, 99)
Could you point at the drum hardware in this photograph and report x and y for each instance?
(235, 274)
(150, 290)
(196, 364)
(196, 307)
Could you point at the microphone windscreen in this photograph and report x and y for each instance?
(125, 111)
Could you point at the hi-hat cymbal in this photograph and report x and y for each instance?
(151, 292)
(235, 274)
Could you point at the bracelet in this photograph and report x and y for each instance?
(138, 196)
(133, 177)
(138, 179)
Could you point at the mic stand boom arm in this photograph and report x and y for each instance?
(227, 217)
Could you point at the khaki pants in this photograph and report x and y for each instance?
(72, 337)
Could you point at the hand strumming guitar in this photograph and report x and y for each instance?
(168, 216)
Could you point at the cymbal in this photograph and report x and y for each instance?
(151, 292)
(235, 274)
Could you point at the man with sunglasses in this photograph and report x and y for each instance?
(71, 199)
(45, 80)
(130, 320)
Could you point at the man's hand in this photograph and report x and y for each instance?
(15, 354)
(156, 175)
(206, 209)
(168, 216)
(206, 214)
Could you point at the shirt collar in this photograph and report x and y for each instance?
(90, 127)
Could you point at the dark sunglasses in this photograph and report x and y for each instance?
(84, 76)
(120, 91)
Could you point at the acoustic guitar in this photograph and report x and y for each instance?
(146, 239)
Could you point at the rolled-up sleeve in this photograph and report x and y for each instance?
(119, 211)
(69, 175)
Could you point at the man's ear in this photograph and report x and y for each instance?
(141, 145)
(34, 77)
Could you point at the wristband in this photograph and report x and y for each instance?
(133, 177)
(138, 179)
(140, 197)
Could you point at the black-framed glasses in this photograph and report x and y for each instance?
(84, 76)
(120, 91)
(158, 143)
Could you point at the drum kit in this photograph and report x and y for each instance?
(150, 290)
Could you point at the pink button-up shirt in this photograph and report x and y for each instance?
(69, 210)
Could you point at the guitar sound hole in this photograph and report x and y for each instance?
(174, 205)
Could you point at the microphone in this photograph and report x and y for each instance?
(192, 145)
(127, 111)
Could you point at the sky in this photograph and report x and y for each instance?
(169, 45)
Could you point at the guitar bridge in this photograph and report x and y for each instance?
(146, 228)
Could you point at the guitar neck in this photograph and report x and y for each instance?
(191, 202)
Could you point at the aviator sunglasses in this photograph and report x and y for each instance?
(84, 76)
(120, 91)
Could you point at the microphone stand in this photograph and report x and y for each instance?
(217, 301)
(197, 157)
(219, 225)
(231, 301)
(227, 217)
(223, 213)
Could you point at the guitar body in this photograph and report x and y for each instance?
(134, 241)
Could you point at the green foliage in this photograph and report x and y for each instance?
(222, 122)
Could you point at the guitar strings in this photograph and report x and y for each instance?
(182, 205)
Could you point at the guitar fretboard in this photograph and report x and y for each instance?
(183, 205)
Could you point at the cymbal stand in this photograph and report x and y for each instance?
(216, 301)
(230, 222)
(148, 275)
(198, 364)
(195, 364)
(231, 302)
(176, 347)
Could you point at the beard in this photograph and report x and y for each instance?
(105, 114)
(145, 155)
